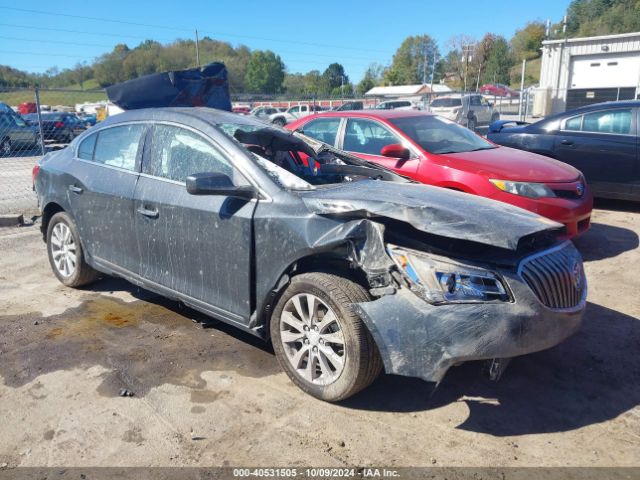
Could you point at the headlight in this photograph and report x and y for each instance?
(524, 189)
(438, 281)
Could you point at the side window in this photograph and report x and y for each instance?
(323, 129)
(85, 150)
(611, 121)
(294, 109)
(118, 146)
(177, 153)
(573, 124)
(366, 136)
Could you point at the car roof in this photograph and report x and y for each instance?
(592, 108)
(206, 114)
(383, 114)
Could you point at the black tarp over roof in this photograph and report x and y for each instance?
(205, 86)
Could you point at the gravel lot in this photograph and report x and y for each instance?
(212, 396)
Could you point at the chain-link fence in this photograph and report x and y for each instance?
(35, 121)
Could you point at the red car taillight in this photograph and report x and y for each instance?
(34, 173)
(59, 124)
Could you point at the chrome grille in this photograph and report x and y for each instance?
(556, 276)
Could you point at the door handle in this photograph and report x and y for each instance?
(75, 189)
(147, 212)
(566, 142)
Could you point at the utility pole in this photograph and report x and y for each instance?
(524, 66)
(466, 51)
(433, 74)
(197, 49)
(424, 65)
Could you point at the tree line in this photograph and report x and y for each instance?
(468, 62)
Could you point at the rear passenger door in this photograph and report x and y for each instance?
(102, 179)
(196, 245)
(603, 146)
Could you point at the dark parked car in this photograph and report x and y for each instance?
(60, 127)
(356, 105)
(599, 140)
(15, 134)
(347, 267)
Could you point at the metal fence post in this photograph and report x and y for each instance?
(37, 95)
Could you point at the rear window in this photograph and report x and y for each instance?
(447, 102)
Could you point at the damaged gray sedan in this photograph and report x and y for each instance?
(346, 267)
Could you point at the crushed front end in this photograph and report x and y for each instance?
(445, 312)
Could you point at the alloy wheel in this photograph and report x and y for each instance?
(63, 249)
(5, 148)
(312, 339)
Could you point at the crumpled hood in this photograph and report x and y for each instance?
(433, 210)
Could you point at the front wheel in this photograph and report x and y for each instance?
(495, 117)
(65, 252)
(280, 122)
(5, 147)
(471, 124)
(319, 341)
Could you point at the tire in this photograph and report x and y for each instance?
(279, 121)
(329, 378)
(472, 124)
(59, 245)
(5, 148)
(495, 117)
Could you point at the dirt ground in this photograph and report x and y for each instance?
(212, 396)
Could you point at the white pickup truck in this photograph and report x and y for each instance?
(293, 113)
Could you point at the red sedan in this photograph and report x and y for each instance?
(499, 90)
(436, 151)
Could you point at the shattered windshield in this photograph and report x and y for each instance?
(298, 162)
(439, 135)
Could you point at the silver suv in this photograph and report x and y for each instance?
(469, 110)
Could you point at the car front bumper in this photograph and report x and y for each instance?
(417, 339)
(574, 214)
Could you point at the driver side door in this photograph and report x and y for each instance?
(197, 245)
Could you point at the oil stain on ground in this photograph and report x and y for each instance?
(143, 344)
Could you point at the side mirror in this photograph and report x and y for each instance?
(218, 184)
(395, 150)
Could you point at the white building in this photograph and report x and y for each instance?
(396, 91)
(582, 71)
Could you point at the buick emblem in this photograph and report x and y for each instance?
(577, 276)
(580, 189)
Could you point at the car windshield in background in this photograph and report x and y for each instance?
(298, 162)
(439, 135)
(446, 102)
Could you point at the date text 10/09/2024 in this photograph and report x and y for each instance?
(315, 472)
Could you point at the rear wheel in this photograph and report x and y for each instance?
(65, 252)
(319, 341)
(495, 117)
(280, 122)
(472, 124)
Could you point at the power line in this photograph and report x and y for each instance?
(51, 29)
(166, 27)
(57, 42)
(306, 54)
(83, 17)
(46, 54)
